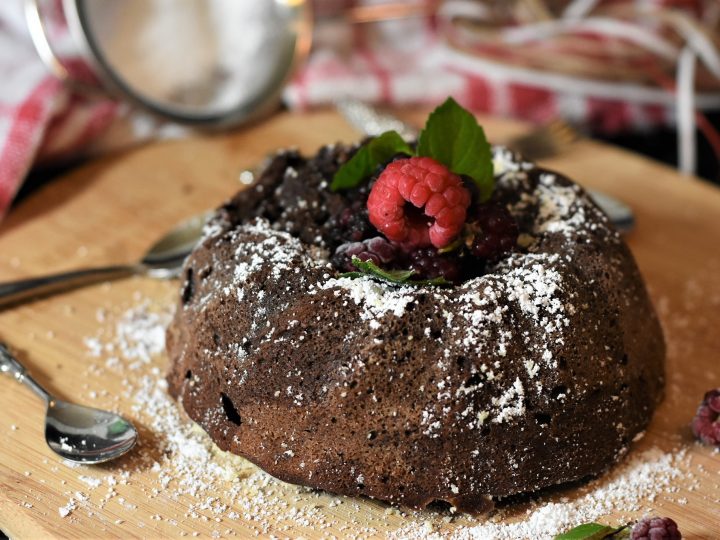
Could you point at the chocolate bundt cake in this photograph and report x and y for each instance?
(535, 368)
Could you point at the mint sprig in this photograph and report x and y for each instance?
(399, 277)
(451, 136)
(594, 531)
(376, 152)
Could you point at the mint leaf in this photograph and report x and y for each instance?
(400, 277)
(453, 137)
(376, 152)
(393, 276)
(590, 531)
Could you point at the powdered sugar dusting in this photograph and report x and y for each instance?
(376, 299)
(558, 209)
(511, 403)
(275, 249)
(531, 281)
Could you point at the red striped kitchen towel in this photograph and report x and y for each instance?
(39, 117)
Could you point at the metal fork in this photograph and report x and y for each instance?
(546, 140)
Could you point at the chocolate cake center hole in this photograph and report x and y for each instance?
(230, 411)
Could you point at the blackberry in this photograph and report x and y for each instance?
(656, 529)
(354, 223)
(706, 424)
(430, 264)
(494, 232)
(378, 250)
(351, 224)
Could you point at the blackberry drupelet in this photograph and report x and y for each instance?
(354, 223)
(429, 264)
(377, 249)
(494, 232)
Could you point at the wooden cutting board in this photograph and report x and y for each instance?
(110, 210)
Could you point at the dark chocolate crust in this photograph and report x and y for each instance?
(539, 372)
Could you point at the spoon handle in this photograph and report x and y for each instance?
(10, 364)
(18, 291)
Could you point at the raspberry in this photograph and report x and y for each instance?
(706, 424)
(418, 183)
(377, 250)
(430, 264)
(656, 529)
(495, 232)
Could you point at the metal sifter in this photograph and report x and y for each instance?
(209, 63)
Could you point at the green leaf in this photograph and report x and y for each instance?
(590, 531)
(376, 152)
(394, 276)
(453, 137)
(400, 277)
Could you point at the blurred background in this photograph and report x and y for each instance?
(85, 78)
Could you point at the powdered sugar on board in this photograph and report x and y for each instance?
(139, 334)
(639, 479)
(196, 486)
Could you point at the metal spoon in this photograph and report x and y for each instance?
(163, 260)
(74, 432)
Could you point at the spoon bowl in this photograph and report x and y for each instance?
(87, 435)
(165, 257)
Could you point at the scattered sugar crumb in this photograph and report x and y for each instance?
(66, 510)
(90, 481)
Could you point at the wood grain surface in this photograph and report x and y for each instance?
(111, 210)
